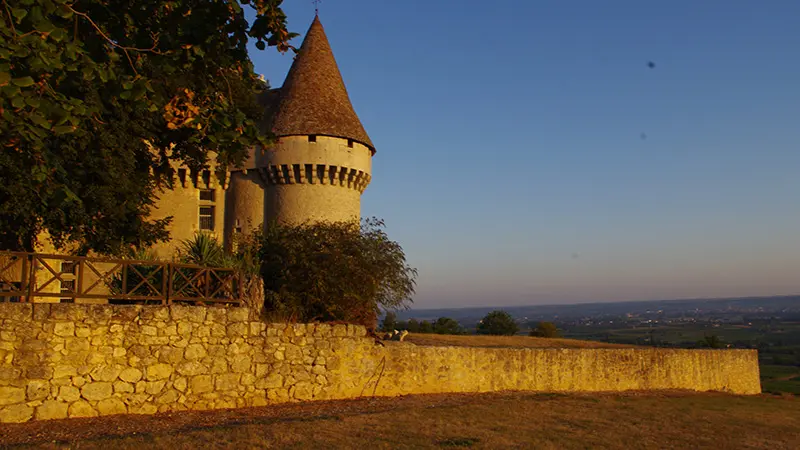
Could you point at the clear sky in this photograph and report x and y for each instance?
(527, 154)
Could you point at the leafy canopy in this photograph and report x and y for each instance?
(498, 323)
(334, 271)
(101, 99)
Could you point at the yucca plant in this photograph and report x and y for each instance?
(204, 250)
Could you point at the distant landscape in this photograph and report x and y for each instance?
(769, 324)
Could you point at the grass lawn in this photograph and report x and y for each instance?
(775, 379)
(504, 341)
(497, 420)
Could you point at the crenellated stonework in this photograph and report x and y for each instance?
(69, 360)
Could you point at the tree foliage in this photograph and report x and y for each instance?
(447, 325)
(99, 99)
(545, 330)
(498, 323)
(389, 321)
(334, 271)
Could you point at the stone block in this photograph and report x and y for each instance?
(239, 329)
(169, 397)
(238, 314)
(131, 375)
(111, 406)
(159, 372)
(52, 409)
(240, 364)
(272, 381)
(155, 387)
(64, 329)
(69, 394)
(191, 368)
(10, 395)
(16, 413)
(38, 390)
(217, 315)
(201, 383)
(248, 379)
(339, 330)
(195, 351)
(278, 395)
(227, 382)
(121, 387)
(187, 313)
(170, 355)
(105, 372)
(180, 384)
(81, 408)
(97, 391)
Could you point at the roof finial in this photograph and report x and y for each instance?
(316, 6)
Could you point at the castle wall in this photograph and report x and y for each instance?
(183, 204)
(60, 361)
(244, 204)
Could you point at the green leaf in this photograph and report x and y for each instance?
(23, 81)
(19, 14)
(32, 101)
(127, 85)
(125, 95)
(18, 102)
(5, 77)
(63, 129)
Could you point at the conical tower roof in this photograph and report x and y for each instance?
(313, 99)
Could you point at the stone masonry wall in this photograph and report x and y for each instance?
(66, 360)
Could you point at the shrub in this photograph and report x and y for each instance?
(446, 325)
(498, 323)
(425, 327)
(545, 330)
(389, 321)
(334, 271)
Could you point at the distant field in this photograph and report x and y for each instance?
(439, 340)
(498, 420)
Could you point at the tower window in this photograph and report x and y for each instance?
(312, 138)
(207, 218)
(350, 143)
(207, 195)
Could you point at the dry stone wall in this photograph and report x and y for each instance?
(62, 360)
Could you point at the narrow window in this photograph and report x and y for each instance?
(206, 178)
(207, 195)
(350, 143)
(312, 138)
(207, 218)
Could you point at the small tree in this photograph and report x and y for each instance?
(425, 327)
(334, 271)
(545, 330)
(389, 321)
(446, 325)
(412, 326)
(498, 323)
(711, 341)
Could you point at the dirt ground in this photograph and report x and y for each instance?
(497, 420)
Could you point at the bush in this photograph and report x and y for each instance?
(498, 323)
(334, 271)
(545, 330)
(446, 325)
(389, 322)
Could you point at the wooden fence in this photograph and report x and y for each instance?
(33, 277)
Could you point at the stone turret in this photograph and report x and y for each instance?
(322, 160)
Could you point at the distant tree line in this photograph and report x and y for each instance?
(498, 323)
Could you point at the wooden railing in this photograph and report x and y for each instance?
(27, 277)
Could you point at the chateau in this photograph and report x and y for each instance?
(315, 171)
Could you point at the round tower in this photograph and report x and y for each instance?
(323, 158)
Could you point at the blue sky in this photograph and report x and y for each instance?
(526, 154)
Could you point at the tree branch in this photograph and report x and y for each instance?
(10, 19)
(114, 44)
